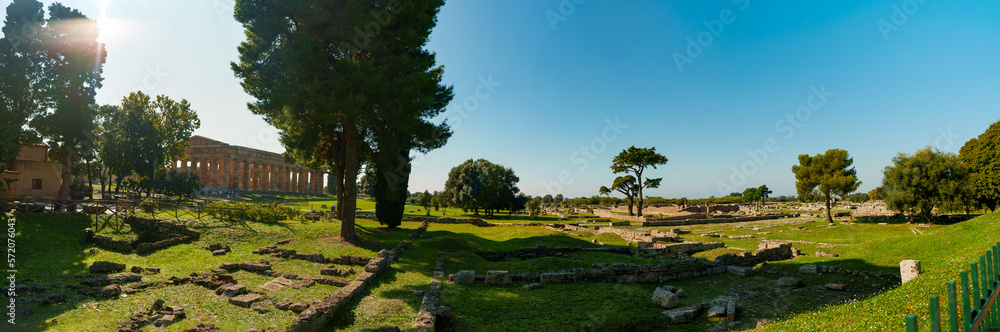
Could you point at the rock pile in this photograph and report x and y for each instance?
(157, 315)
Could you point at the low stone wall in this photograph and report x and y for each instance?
(608, 214)
(658, 273)
(715, 220)
(427, 317)
(627, 235)
(766, 251)
(680, 217)
(631, 273)
(446, 220)
(657, 251)
(167, 234)
(322, 312)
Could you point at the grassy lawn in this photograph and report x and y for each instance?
(51, 255)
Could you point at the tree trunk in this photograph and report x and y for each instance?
(67, 175)
(630, 207)
(90, 180)
(829, 217)
(639, 205)
(339, 174)
(351, 167)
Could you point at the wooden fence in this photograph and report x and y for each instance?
(977, 303)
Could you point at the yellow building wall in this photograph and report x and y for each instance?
(49, 172)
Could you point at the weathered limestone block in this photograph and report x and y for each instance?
(909, 269)
(231, 290)
(498, 278)
(245, 300)
(682, 315)
(789, 282)
(465, 277)
(809, 268)
(739, 271)
(836, 286)
(102, 267)
(665, 299)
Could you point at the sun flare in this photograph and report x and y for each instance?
(103, 22)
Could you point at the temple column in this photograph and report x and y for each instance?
(268, 178)
(227, 174)
(293, 183)
(312, 181)
(203, 173)
(261, 176)
(240, 175)
(319, 182)
(274, 177)
(303, 179)
(281, 178)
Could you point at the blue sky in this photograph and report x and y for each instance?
(555, 89)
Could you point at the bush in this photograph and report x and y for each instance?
(265, 213)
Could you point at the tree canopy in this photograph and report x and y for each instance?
(143, 135)
(982, 155)
(925, 180)
(480, 184)
(635, 161)
(50, 71)
(626, 185)
(342, 96)
(831, 173)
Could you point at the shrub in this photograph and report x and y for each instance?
(265, 213)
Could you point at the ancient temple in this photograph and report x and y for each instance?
(226, 166)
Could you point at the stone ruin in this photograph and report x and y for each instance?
(541, 250)
(157, 315)
(153, 235)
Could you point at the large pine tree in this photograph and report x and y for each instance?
(334, 76)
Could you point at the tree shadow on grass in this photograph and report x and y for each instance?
(607, 306)
(49, 254)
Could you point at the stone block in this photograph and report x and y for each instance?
(909, 269)
(255, 267)
(665, 299)
(109, 291)
(498, 278)
(717, 311)
(739, 271)
(305, 283)
(467, 277)
(682, 315)
(102, 267)
(245, 300)
(283, 281)
(231, 290)
(789, 282)
(532, 286)
(271, 286)
(836, 286)
(809, 268)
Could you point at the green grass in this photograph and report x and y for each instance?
(50, 254)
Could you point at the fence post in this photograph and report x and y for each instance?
(911, 323)
(935, 314)
(952, 307)
(965, 300)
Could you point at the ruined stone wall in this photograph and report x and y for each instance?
(608, 214)
(714, 220)
(672, 250)
(322, 312)
(658, 273)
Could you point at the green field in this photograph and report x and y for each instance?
(50, 254)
